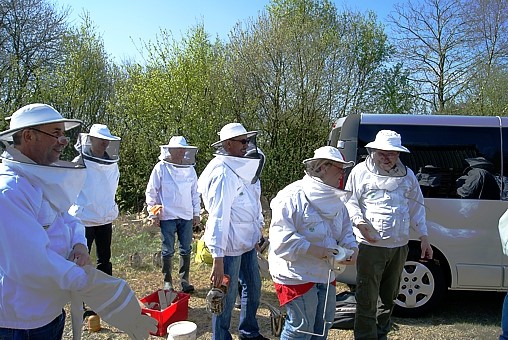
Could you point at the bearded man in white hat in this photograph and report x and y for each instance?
(386, 201)
(231, 192)
(44, 260)
(173, 187)
(310, 238)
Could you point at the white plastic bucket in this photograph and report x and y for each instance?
(182, 330)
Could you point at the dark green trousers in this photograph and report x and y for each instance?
(377, 285)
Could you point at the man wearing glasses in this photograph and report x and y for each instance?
(386, 201)
(44, 261)
(231, 192)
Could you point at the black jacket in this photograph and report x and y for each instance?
(478, 181)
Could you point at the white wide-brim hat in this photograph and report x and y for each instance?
(33, 115)
(101, 131)
(330, 153)
(178, 142)
(233, 130)
(387, 140)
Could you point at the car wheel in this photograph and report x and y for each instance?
(422, 286)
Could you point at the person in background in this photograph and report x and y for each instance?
(231, 192)
(173, 185)
(478, 182)
(386, 202)
(310, 226)
(96, 206)
(44, 260)
(503, 234)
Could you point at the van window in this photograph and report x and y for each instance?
(438, 153)
(463, 231)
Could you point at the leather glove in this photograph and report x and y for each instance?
(320, 252)
(115, 302)
(215, 301)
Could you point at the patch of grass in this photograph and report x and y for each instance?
(462, 315)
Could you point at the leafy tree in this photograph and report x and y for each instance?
(488, 96)
(82, 86)
(364, 51)
(136, 130)
(295, 69)
(179, 92)
(391, 92)
(31, 34)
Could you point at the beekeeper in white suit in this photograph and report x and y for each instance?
(173, 186)
(96, 206)
(503, 233)
(386, 202)
(231, 190)
(309, 226)
(43, 257)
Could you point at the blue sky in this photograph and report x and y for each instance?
(124, 23)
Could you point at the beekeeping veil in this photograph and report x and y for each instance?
(248, 167)
(61, 180)
(99, 145)
(178, 152)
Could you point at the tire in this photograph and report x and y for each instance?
(422, 287)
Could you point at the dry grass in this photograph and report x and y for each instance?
(463, 315)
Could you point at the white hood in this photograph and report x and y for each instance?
(60, 182)
(324, 197)
(244, 167)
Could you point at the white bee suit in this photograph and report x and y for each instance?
(227, 192)
(303, 213)
(39, 281)
(391, 204)
(175, 188)
(96, 203)
(35, 225)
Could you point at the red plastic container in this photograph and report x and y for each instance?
(177, 311)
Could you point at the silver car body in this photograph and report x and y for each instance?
(463, 232)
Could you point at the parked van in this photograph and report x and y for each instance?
(462, 231)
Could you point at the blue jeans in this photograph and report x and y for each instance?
(243, 268)
(180, 227)
(51, 331)
(305, 314)
(504, 320)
